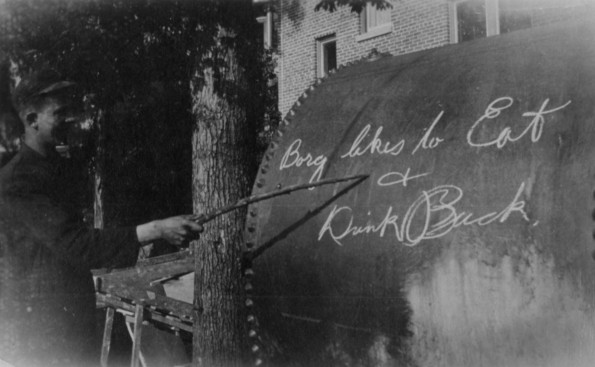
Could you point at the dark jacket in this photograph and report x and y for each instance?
(47, 304)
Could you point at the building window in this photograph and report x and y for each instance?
(326, 54)
(267, 28)
(514, 15)
(374, 22)
(472, 19)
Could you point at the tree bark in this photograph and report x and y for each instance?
(98, 193)
(221, 175)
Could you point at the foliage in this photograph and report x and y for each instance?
(10, 126)
(356, 5)
(134, 59)
(136, 62)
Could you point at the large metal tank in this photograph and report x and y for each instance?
(470, 242)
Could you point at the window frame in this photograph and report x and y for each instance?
(266, 21)
(492, 17)
(367, 32)
(321, 56)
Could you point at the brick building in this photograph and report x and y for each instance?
(310, 43)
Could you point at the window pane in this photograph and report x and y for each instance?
(374, 17)
(514, 15)
(370, 16)
(330, 56)
(471, 20)
(326, 55)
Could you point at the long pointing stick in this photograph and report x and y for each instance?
(200, 219)
(203, 218)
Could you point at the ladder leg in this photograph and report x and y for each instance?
(138, 327)
(107, 335)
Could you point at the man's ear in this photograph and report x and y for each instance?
(31, 119)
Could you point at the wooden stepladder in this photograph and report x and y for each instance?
(138, 294)
(135, 332)
(138, 316)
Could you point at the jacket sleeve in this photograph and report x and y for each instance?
(48, 224)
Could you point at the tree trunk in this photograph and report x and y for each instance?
(98, 194)
(221, 175)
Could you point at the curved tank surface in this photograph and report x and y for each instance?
(470, 242)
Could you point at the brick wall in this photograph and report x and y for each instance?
(417, 25)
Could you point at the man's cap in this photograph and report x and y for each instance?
(38, 84)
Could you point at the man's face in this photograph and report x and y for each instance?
(55, 123)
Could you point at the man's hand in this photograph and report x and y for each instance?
(178, 230)
(175, 230)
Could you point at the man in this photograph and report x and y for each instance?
(47, 302)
